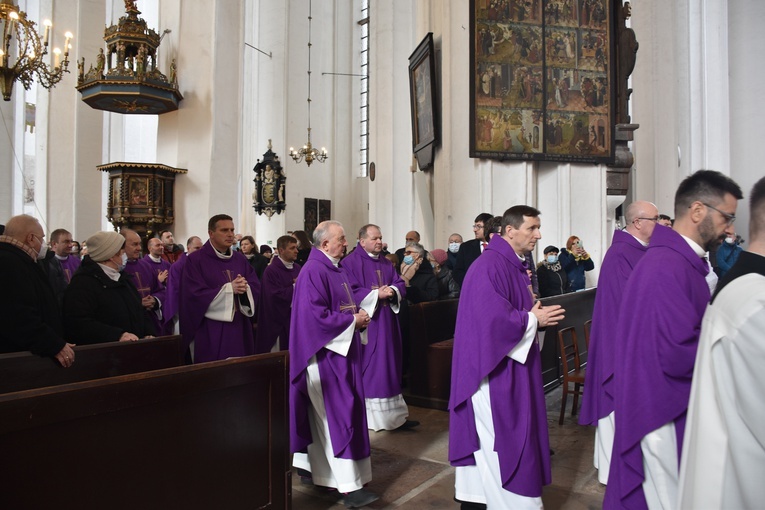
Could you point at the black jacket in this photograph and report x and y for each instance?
(32, 319)
(423, 286)
(552, 283)
(448, 288)
(97, 309)
(469, 251)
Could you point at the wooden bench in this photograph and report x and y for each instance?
(214, 435)
(431, 337)
(24, 370)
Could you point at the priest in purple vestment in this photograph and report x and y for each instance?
(218, 297)
(61, 244)
(656, 342)
(498, 422)
(145, 281)
(627, 248)
(328, 423)
(276, 292)
(379, 289)
(172, 296)
(160, 268)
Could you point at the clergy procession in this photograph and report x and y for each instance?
(673, 374)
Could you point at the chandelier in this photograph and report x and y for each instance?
(308, 151)
(23, 50)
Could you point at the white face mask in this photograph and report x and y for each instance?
(730, 240)
(454, 247)
(43, 251)
(123, 262)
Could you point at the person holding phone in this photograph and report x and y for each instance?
(575, 261)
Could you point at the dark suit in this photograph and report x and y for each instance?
(469, 251)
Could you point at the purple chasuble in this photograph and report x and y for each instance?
(160, 293)
(620, 260)
(69, 266)
(173, 289)
(146, 283)
(381, 357)
(203, 276)
(322, 309)
(491, 320)
(656, 342)
(275, 306)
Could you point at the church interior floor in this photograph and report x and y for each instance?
(410, 468)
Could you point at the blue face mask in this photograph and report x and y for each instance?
(552, 259)
(454, 247)
(408, 260)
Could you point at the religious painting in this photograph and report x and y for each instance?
(315, 212)
(270, 183)
(422, 92)
(139, 191)
(540, 85)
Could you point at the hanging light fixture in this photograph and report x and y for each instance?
(308, 151)
(23, 50)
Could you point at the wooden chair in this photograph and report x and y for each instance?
(587, 328)
(572, 371)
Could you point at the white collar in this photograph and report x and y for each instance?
(156, 260)
(110, 271)
(335, 261)
(701, 252)
(59, 257)
(223, 256)
(288, 265)
(372, 255)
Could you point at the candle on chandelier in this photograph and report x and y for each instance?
(47, 24)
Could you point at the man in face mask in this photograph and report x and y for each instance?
(33, 317)
(727, 254)
(101, 303)
(455, 240)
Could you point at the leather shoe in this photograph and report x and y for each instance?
(359, 498)
(408, 424)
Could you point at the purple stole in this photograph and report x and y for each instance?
(381, 357)
(491, 320)
(275, 307)
(656, 343)
(203, 276)
(620, 260)
(69, 266)
(322, 309)
(172, 294)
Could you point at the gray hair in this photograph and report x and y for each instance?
(321, 232)
(417, 247)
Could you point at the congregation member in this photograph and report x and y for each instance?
(32, 317)
(101, 304)
(171, 252)
(76, 251)
(276, 290)
(328, 420)
(250, 250)
(448, 288)
(267, 252)
(453, 248)
(575, 261)
(497, 376)
(145, 278)
(418, 275)
(411, 237)
(218, 296)
(656, 342)
(627, 248)
(379, 290)
(665, 220)
(723, 462)
(470, 250)
(553, 280)
(303, 245)
(727, 254)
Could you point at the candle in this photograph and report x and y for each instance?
(47, 24)
(57, 54)
(67, 46)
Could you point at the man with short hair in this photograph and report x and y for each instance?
(218, 294)
(411, 237)
(498, 437)
(61, 245)
(627, 248)
(455, 241)
(144, 279)
(656, 343)
(379, 290)
(665, 220)
(172, 297)
(723, 462)
(171, 252)
(101, 304)
(276, 292)
(328, 421)
(160, 268)
(470, 250)
(32, 318)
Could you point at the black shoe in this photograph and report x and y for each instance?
(359, 498)
(408, 424)
(469, 505)
(552, 452)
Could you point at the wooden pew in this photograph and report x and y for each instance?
(213, 435)
(579, 307)
(431, 335)
(24, 370)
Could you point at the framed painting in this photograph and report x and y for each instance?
(541, 86)
(422, 99)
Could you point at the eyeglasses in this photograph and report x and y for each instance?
(477, 226)
(655, 218)
(729, 217)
